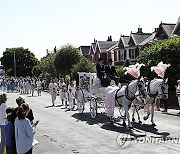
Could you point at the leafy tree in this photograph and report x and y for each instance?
(46, 66)
(168, 52)
(25, 60)
(65, 58)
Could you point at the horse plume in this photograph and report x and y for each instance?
(133, 70)
(160, 69)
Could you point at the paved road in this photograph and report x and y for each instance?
(67, 132)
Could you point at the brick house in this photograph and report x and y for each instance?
(101, 50)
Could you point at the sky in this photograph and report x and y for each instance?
(43, 24)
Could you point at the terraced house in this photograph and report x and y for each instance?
(129, 47)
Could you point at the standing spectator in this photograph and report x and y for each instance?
(20, 100)
(178, 93)
(71, 94)
(24, 131)
(4, 85)
(62, 85)
(39, 86)
(9, 131)
(53, 91)
(3, 107)
(12, 85)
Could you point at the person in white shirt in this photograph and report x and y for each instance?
(24, 131)
(39, 87)
(53, 91)
(71, 94)
(178, 93)
(3, 106)
(62, 85)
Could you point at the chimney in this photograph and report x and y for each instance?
(95, 41)
(156, 29)
(55, 49)
(139, 30)
(109, 38)
(47, 51)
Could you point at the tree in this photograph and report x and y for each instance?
(24, 59)
(65, 58)
(168, 52)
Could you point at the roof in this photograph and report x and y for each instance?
(139, 37)
(148, 40)
(105, 45)
(176, 26)
(84, 49)
(168, 28)
(124, 39)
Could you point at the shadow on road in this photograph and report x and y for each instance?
(172, 114)
(100, 118)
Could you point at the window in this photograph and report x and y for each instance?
(122, 55)
(133, 54)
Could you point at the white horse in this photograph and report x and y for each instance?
(125, 95)
(156, 88)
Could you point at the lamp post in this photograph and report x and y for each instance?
(14, 64)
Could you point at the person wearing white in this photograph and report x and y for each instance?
(39, 87)
(71, 94)
(3, 107)
(65, 98)
(24, 131)
(178, 92)
(62, 85)
(53, 91)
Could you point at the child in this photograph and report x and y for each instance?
(9, 131)
(178, 93)
(65, 98)
(79, 95)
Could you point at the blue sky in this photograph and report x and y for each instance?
(43, 24)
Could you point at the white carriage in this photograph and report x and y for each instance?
(90, 90)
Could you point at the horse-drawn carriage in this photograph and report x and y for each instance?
(108, 97)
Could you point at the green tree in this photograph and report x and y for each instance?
(65, 58)
(46, 67)
(24, 59)
(168, 52)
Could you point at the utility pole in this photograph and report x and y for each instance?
(14, 64)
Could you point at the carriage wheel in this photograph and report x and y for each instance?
(93, 107)
(81, 106)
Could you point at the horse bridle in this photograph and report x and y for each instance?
(154, 95)
(163, 88)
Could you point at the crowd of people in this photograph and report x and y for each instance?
(23, 85)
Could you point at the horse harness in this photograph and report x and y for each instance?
(126, 95)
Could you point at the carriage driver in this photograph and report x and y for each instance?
(111, 72)
(100, 70)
